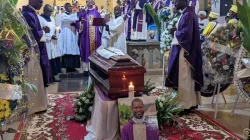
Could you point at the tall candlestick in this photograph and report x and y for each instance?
(131, 89)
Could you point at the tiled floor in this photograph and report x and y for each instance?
(236, 123)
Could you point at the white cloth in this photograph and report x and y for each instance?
(67, 40)
(203, 23)
(53, 50)
(139, 35)
(117, 37)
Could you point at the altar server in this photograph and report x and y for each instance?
(185, 61)
(39, 102)
(67, 40)
(54, 52)
(139, 28)
(89, 35)
(211, 25)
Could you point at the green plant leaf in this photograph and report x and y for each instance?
(31, 87)
(148, 8)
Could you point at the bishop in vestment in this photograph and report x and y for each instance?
(29, 13)
(89, 35)
(185, 62)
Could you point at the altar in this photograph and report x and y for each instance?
(146, 53)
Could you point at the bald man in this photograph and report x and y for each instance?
(54, 53)
(39, 102)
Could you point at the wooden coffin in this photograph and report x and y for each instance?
(114, 75)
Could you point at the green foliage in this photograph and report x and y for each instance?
(125, 113)
(148, 8)
(14, 2)
(244, 15)
(167, 107)
(148, 87)
(84, 103)
(30, 86)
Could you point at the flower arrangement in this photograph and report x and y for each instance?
(166, 37)
(148, 87)
(84, 104)
(229, 35)
(167, 107)
(125, 113)
(165, 14)
(13, 29)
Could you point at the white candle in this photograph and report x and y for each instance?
(131, 89)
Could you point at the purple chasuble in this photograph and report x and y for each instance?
(127, 132)
(127, 11)
(36, 29)
(90, 37)
(188, 37)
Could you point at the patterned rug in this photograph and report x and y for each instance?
(53, 125)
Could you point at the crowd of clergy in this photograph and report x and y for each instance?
(67, 39)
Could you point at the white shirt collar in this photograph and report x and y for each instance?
(183, 10)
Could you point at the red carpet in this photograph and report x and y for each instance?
(53, 125)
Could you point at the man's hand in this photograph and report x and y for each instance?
(125, 18)
(172, 31)
(46, 29)
(54, 37)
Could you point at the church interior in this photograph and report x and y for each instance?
(124, 70)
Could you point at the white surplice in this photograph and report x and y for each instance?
(67, 40)
(139, 35)
(53, 50)
(117, 36)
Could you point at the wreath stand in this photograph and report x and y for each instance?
(217, 89)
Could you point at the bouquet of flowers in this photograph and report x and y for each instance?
(84, 104)
(166, 37)
(165, 14)
(167, 107)
(12, 55)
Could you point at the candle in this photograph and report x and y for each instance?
(131, 89)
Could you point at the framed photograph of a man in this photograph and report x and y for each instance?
(138, 120)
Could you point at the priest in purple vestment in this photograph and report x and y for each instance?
(139, 127)
(128, 8)
(185, 61)
(89, 35)
(29, 13)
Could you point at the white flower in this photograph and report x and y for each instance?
(90, 108)
(158, 98)
(87, 101)
(79, 103)
(162, 99)
(83, 98)
(160, 104)
(80, 110)
(225, 67)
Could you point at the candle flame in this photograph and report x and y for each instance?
(131, 83)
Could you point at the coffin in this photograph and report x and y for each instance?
(114, 75)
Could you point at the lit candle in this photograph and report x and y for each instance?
(131, 89)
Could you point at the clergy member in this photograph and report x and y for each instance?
(139, 28)
(54, 52)
(118, 9)
(39, 102)
(89, 35)
(67, 40)
(138, 127)
(211, 25)
(29, 13)
(128, 8)
(185, 61)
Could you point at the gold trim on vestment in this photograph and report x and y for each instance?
(92, 35)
